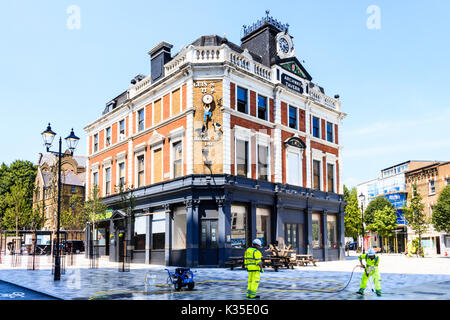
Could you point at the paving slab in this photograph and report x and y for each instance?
(402, 279)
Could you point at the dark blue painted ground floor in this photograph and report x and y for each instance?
(201, 220)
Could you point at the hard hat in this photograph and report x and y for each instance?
(371, 252)
(257, 242)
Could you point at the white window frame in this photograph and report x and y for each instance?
(297, 117)
(93, 142)
(119, 138)
(248, 99)
(107, 164)
(121, 158)
(243, 134)
(297, 151)
(332, 132)
(257, 106)
(430, 192)
(318, 156)
(110, 137)
(263, 140)
(139, 150)
(94, 169)
(137, 120)
(175, 136)
(312, 127)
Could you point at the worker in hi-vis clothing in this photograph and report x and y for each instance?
(370, 270)
(253, 263)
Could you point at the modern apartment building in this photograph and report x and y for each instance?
(392, 185)
(221, 143)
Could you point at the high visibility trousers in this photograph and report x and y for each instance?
(253, 283)
(376, 279)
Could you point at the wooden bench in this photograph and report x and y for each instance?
(305, 259)
(235, 262)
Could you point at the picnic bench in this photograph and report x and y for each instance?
(235, 262)
(303, 259)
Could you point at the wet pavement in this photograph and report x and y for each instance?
(10, 291)
(426, 279)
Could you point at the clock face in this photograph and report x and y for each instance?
(207, 99)
(284, 45)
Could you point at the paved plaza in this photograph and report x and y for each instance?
(402, 279)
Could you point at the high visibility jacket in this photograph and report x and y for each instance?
(370, 262)
(252, 258)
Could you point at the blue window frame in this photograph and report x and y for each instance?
(293, 117)
(330, 132)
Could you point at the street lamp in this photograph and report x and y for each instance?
(72, 140)
(362, 198)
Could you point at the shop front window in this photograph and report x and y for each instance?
(290, 234)
(238, 227)
(263, 225)
(316, 231)
(159, 231)
(140, 225)
(332, 231)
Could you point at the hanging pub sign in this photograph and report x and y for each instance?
(291, 83)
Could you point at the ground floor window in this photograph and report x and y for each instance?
(290, 234)
(316, 231)
(99, 235)
(179, 229)
(140, 226)
(263, 225)
(332, 231)
(158, 231)
(238, 226)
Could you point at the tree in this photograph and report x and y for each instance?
(21, 173)
(73, 218)
(441, 212)
(416, 217)
(384, 223)
(374, 205)
(18, 209)
(352, 219)
(94, 209)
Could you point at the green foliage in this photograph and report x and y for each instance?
(384, 222)
(94, 209)
(36, 218)
(73, 218)
(21, 174)
(352, 219)
(441, 212)
(17, 208)
(416, 216)
(375, 205)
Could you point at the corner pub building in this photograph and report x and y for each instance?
(219, 145)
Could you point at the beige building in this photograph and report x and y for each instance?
(73, 171)
(430, 181)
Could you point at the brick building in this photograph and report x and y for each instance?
(430, 181)
(220, 144)
(73, 174)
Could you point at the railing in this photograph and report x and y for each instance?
(325, 100)
(207, 54)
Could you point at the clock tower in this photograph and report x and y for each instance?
(270, 39)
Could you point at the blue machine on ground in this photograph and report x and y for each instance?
(182, 277)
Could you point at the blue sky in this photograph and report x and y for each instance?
(393, 82)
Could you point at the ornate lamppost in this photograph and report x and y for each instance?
(362, 198)
(72, 140)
